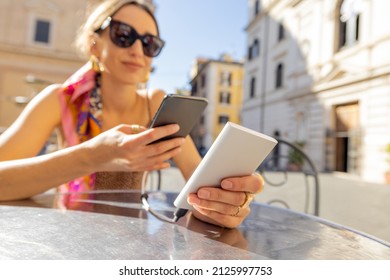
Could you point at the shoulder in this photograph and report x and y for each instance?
(154, 97)
(48, 95)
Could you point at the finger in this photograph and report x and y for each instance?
(162, 157)
(162, 147)
(210, 202)
(156, 133)
(227, 197)
(154, 162)
(253, 183)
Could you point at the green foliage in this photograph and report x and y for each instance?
(294, 156)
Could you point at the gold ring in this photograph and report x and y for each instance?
(238, 211)
(247, 201)
(135, 128)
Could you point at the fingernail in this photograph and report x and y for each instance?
(193, 200)
(227, 185)
(204, 194)
(176, 127)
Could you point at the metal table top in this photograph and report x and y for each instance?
(113, 225)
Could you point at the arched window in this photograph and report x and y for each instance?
(279, 76)
(348, 18)
(252, 88)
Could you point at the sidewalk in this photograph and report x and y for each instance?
(360, 205)
(344, 199)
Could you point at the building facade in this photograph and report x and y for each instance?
(36, 39)
(36, 48)
(220, 81)
(318, 73)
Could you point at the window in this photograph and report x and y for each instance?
(223, 119)
(280, 31)
(252, 87)
(279, 76)
(254, 50)
(194, 88)
(224, 97)
(226, 78)
(42, 32)
(250, 53)
(257, 7)
(203, 81)
(348, 23)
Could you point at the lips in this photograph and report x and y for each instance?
(133, 66)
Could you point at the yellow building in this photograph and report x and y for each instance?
(220, 81)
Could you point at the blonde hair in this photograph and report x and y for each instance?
(99, 15)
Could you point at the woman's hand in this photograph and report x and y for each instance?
(228, 205)
(129, 148)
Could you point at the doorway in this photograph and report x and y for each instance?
(347, 138)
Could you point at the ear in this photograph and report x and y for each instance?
(94, 45)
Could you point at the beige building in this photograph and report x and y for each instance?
(220, 81)
(35, 49)
(318, 72)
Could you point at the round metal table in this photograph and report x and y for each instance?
(113, 225)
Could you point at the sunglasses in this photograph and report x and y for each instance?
(124, 36)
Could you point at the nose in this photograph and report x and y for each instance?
(137, 48)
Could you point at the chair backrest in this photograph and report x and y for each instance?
(291, 179)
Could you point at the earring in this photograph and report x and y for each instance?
(147, 76)
(96, 65)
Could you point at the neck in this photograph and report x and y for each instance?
(118, 97)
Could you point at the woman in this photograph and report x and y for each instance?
(102, 116)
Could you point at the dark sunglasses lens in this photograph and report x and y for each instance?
(152, 45)
(122, 35)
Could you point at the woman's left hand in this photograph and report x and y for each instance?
(228, 205)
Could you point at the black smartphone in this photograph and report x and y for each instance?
(179, 109)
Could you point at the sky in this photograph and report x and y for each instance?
(196, 28)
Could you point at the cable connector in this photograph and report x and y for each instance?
(180, 212)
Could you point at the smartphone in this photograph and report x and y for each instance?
(179, 109)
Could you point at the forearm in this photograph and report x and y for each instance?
(26, 177)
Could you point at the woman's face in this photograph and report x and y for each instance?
(127, 65)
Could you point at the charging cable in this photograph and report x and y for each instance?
(179, 212)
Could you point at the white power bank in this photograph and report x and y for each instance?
(236, 152)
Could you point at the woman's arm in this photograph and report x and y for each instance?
(23, 174)
(29, 133)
